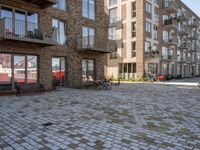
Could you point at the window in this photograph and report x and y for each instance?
(148, 7)
(88, 9)
(88, 70)
(61, 5)
(155, 32)
(5, 72)
(156, 15)
(133, 7)
(133, 49)
(156, 2)
(112, 2)
(147, 46)
(112, 33)
(24, 70)
(148, 26)
(23, 23)
(165, 36)
(60, 30)
(113, 15)
(164, 53)
(88, 37)
(133, 29)
(113, 55)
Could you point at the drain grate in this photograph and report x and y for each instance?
(47, 124)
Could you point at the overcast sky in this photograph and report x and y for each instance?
(193, 5)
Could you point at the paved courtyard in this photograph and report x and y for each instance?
(130, 116)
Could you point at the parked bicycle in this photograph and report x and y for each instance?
(105, 84)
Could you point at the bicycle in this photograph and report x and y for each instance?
(105, 84)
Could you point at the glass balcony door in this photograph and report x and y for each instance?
(20, 23)
(88, 70)
(58, 71)
(19, 69)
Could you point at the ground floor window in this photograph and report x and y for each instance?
(127, 70)
(88, 70)
(58, 71)
(17, 68)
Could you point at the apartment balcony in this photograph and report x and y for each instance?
(170, 24)
(115, 22)
(183, 31)
(193, 36)
(170, 6)
(193, 24)
(184, 16)
(42, 3)
(185, 45)
(95, 44)
(17, 30)
(170, 42)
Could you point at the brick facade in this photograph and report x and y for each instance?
(73, 26)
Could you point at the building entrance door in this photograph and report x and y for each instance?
(88, 70)
(58, 71)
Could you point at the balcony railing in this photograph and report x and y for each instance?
(184, 16)
(193, 24)
(170, 6)
(186, 45)
(93, 43)
(193, 36)
(170, 23)
(42, 3)
(184, 31)
(115, 21)
(17, 30)
(171, 41)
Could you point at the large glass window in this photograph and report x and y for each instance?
(58, 71)
(7, 13)
(133, 9)
(148, 26)
(60, 26)
(19, 69)
(88, 37)
(112, 33)
(32, 71)
(32, 18)
(60, 4)
(148, 7)
(87, 70)
(113, 15)
(5, 72)
(112, 2)
(20, 24)
(24, 23)
(88, 9)
(133, 29)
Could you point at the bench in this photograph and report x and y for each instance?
(29, 87)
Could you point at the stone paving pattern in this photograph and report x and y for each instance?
(131, 116)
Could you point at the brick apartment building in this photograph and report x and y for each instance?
(46, 40)
(160, 36)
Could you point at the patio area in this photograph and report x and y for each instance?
(130, 116)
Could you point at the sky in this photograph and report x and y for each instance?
(193, 5)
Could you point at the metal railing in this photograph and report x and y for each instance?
(170, 21)
(21, 30)
(94, 43)
(170, 4)
(194, 23)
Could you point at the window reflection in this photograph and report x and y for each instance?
(5, 72)
(19, 69)
(31, 69)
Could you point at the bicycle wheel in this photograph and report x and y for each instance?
(108, 86)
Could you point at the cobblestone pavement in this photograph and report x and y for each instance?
(130, 116)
